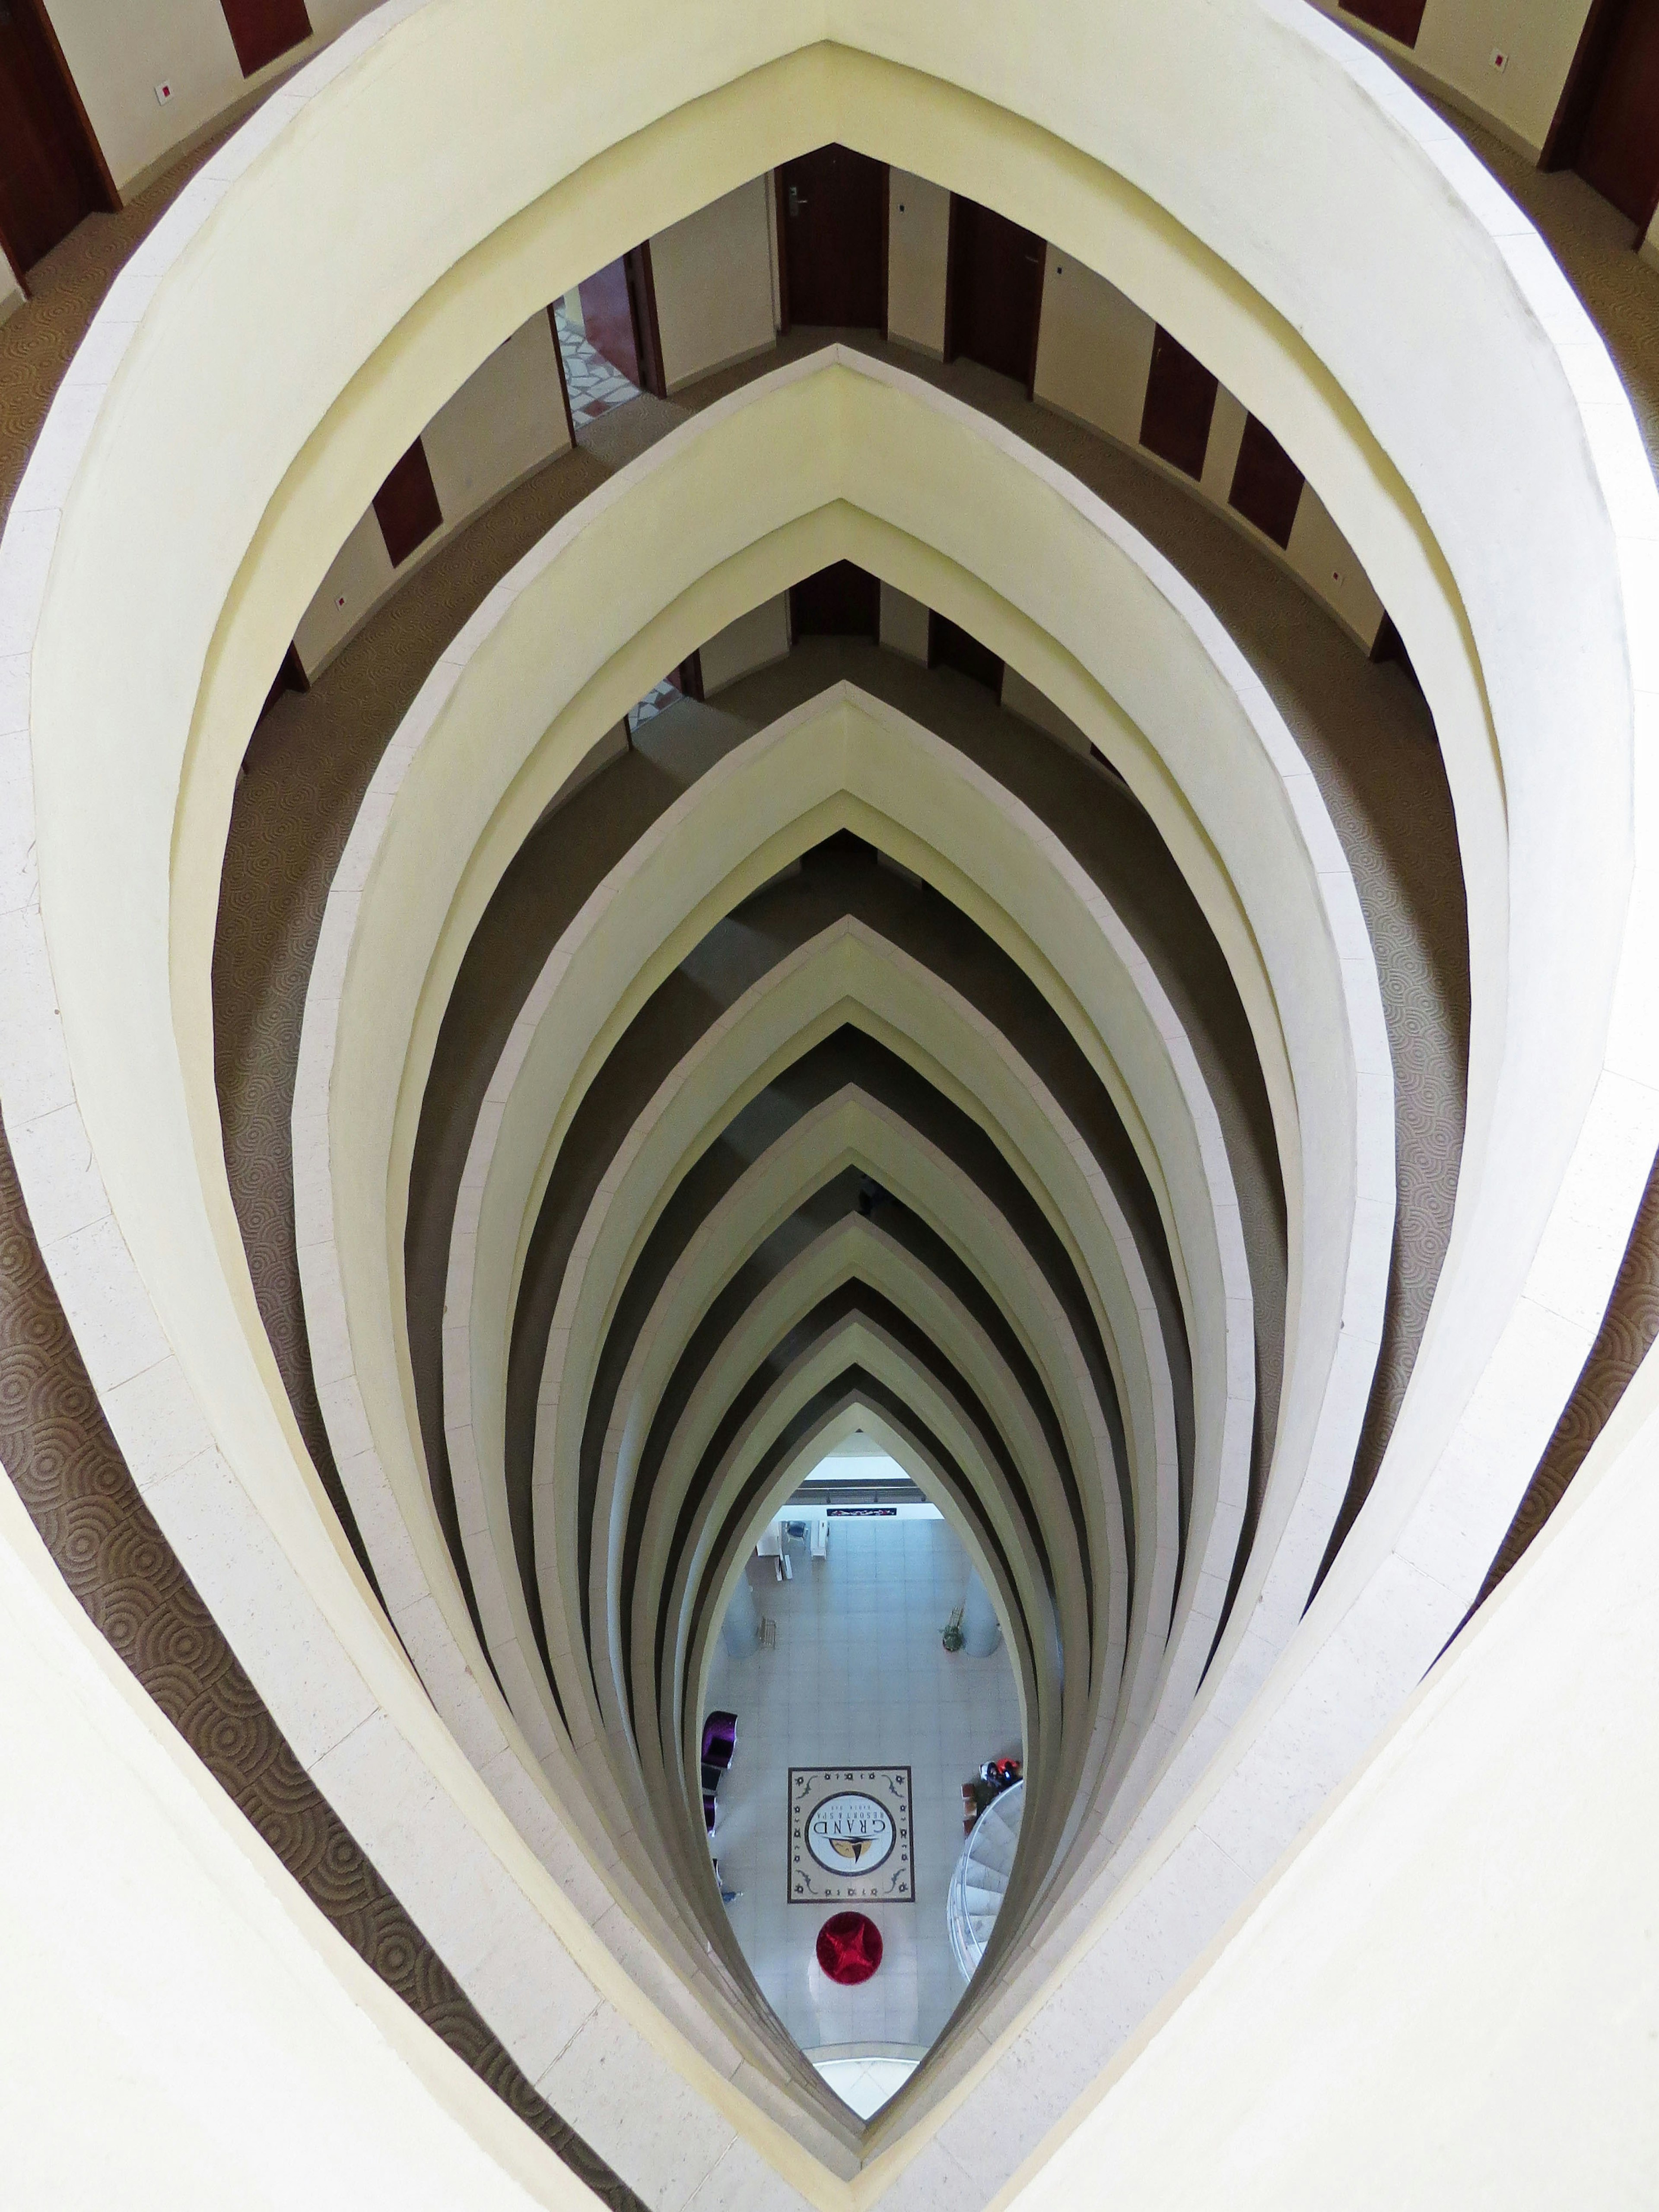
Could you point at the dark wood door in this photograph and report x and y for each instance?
(1266, 487)
(1400, 19)
(841, 601)
(50, 174)
(260, 30)
(407, 506)
(1614, 130)
(1175, 423)
(832, 240)
(993, 291)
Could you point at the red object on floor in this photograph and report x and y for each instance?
(849, 1948)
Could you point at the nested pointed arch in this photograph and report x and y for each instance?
(1303, 1393)
(742, 816)
(1349, 352)
(570, 1628)
(577, 1330)
(1027, 1490)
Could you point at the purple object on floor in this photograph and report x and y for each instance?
(720, 1739)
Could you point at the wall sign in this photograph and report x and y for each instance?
(849, 1836)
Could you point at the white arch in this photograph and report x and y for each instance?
(1563, 1030)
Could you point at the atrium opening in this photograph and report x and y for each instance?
(860, 1665)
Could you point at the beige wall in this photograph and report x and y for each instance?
(1538, 38)
(1094, 352)
(1328, 565)
(918, 240)
(904, 622)
(120, 53)
(505, 422)
(155, 1916)
(359, 578)
(754, 640)
(713, 274)
(1221, 454)
(1456, 46)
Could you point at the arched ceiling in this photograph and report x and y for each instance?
(859, 1073)
(828, 1078)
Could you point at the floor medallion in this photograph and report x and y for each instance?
(849, 1836)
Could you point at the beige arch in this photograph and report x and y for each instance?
(1088, 1703)
(799, 766)
(856, 1251)
(848, 975)
(850, 1132)
(846, 1131)
(855, 1339)
(654, 1356)
(899, 1281)
(1353, 1345)
(664, 1341)
(665, 1778)
(1086, 1433)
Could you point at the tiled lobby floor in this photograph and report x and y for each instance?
(659, 696)
(596, 385)
(859, 1676)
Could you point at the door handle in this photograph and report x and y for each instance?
(796, 202)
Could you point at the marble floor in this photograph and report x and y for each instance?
(596, 383)
(867, 2084)
(857, 1675)
(659, 696)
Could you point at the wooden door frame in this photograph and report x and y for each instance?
(886, 239)
(642, 306)
(564, 382)
(36, 12)
(781, 224)
(1036, 315)
(949, 342)
(1566, 130)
